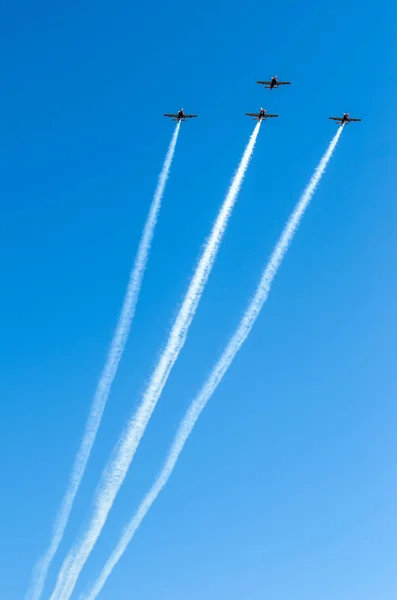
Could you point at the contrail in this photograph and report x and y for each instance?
(234, 345)
(118, 465)
(105, 382)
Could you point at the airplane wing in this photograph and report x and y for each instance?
(355, 120)
(270, 116)
(264, 82)
(171, 115)
(283, 83)
(189, 116)
(252, 114)
(335, 118)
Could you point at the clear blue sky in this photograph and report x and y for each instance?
(287, 487)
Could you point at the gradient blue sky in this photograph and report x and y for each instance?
(287, 487)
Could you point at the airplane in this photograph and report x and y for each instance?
(179, 116)
(260, 116)
(273, 83)
(344, 120)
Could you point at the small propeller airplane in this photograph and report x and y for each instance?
(261, 116)
(180, 116)
(345, 119)
(273, 83)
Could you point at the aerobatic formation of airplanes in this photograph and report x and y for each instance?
(262, 115)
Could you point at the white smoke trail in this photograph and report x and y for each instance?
(108, 374)
(234, 345)
(116, 469)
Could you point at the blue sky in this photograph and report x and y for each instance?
(287, 486)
